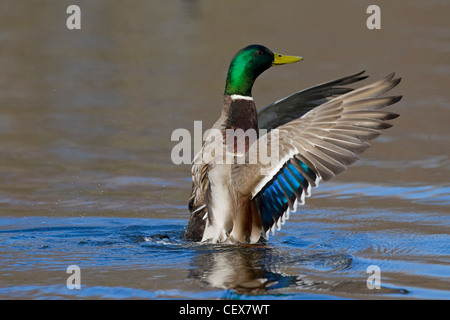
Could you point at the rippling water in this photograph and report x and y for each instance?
(322, 253)
(87, 180)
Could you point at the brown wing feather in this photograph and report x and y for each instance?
(326, 139)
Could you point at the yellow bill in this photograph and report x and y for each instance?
(279, 59)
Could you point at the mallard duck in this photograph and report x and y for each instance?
(319, 132)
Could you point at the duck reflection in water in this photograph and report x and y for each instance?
(246, 269)
(261, 270)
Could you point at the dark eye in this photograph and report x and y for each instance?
(258, 53)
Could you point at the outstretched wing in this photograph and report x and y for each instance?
(314, 147)
(296, 105)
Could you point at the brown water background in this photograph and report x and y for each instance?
(86, 118)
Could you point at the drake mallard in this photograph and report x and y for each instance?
(320, 131)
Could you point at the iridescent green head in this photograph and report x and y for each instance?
(248, 64)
